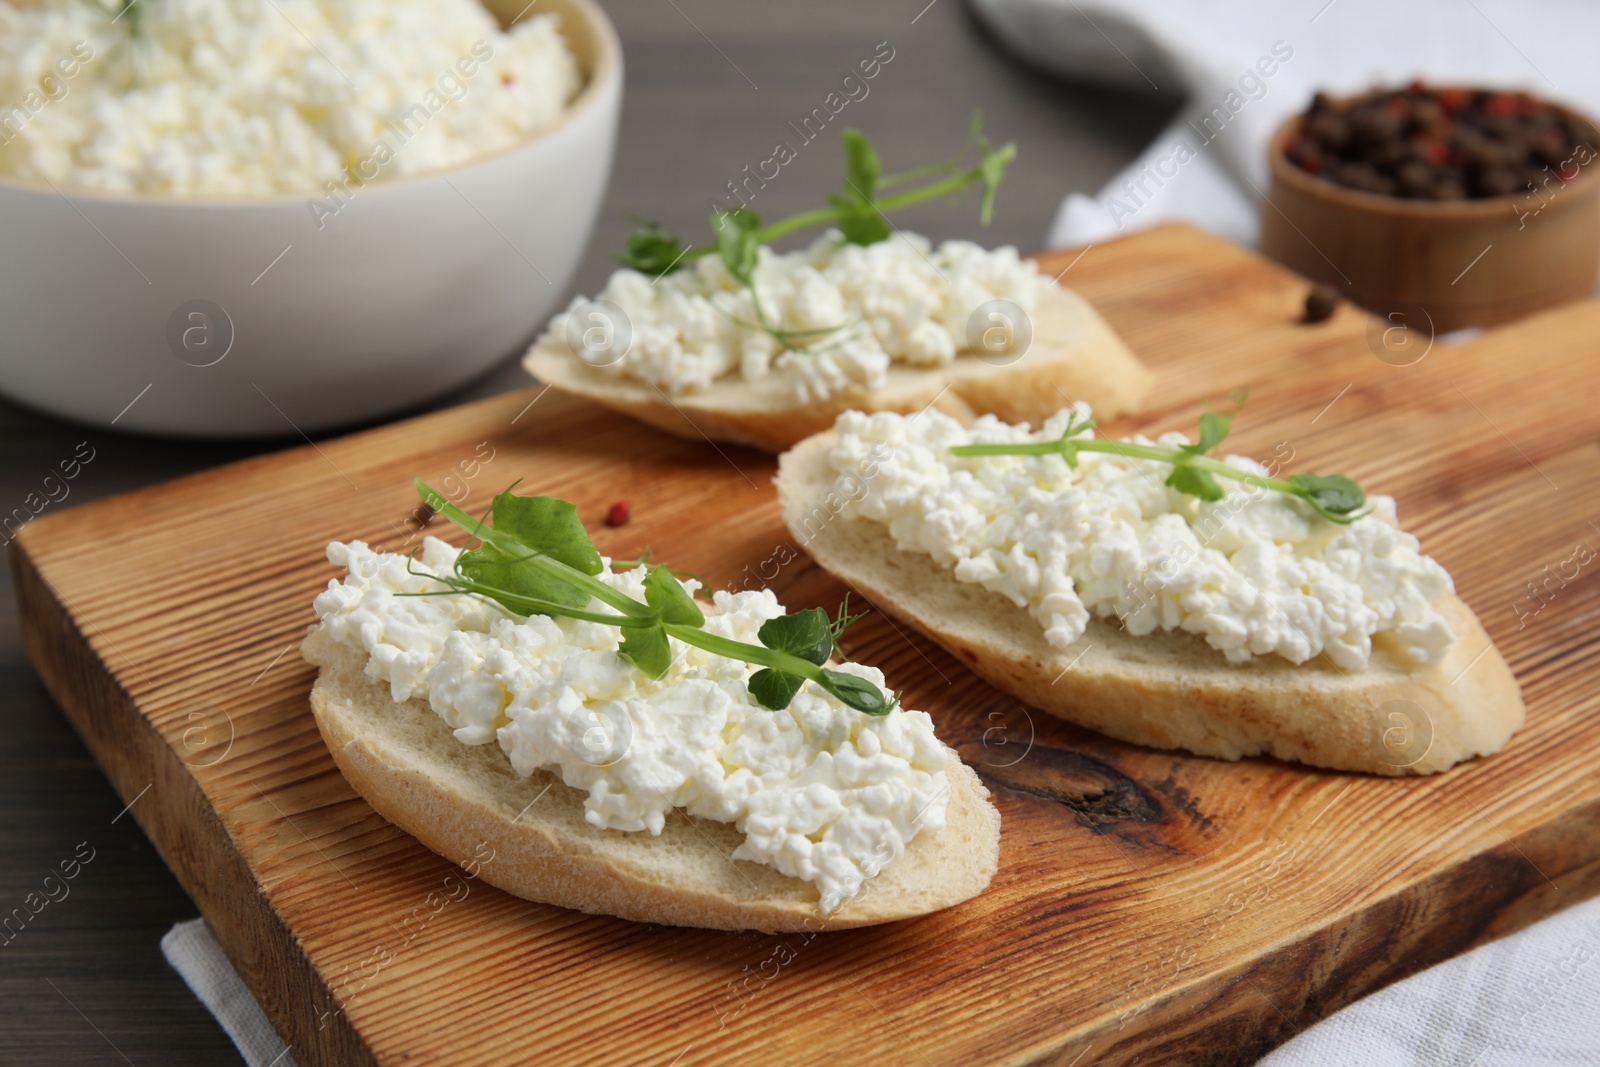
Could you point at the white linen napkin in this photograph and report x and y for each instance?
(193, 952)
(1247, 65)
(1527, 1000)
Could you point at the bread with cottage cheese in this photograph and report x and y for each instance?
(466, 803)
(1170, 689)
(1074, 355)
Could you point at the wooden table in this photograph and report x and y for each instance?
(84, 982)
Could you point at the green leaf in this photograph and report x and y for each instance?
(737, 241)
(856, 692)
(548, 526)
(859, 220)
(810, 635)
(490, 567)
(807, 634)
(1330, 492)
(671, 601)
(1195, 482)
(774, 689)
(652, 250)
(861, 167)
(1213, 428)
(858, 216)
(646, 648)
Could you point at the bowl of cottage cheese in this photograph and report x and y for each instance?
(262, 217)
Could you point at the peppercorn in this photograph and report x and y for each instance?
(1441, 144)
(1320, 303)
(618, 514)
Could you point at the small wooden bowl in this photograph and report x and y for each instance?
(1462, 262)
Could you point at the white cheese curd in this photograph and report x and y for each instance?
(820, 791)
(257, 97)
(898, 301)
(1255, 573)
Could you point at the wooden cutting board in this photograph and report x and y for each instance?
(1150, 907)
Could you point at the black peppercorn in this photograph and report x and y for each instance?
(1442, 144)
(1320, 303)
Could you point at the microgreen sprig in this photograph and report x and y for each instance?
(537, 559)
(1194, 472)
(859, 210)
(125, 54)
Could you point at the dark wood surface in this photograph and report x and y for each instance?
(1149, 907)
(84, 982)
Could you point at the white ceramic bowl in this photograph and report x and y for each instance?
(414, 287)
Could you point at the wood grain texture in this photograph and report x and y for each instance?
(1149, 907)
(689, 123)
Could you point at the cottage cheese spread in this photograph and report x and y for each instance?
(821, 792)
(1256, 572)
(189, 97)
(897, 301)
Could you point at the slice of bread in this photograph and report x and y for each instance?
(1074, 355)
(403, 760)
(1171, 689)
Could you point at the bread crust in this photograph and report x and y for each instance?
(1074, 355)
(465, 801)
(1171, 689)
